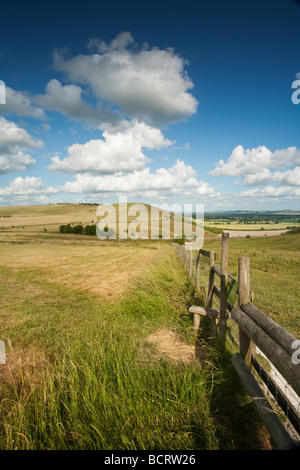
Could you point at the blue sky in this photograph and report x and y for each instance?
(162, 101)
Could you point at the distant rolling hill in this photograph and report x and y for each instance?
(50, 217)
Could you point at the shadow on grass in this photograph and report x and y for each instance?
(238, 426)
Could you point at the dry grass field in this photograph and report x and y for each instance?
(103, 268)
(33, 244)
(36, 218)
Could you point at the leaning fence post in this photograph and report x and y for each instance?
(224, 285)
(247, 347)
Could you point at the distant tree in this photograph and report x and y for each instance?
(78, 229)
(68, 229)
(90, 230)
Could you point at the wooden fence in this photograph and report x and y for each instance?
(257, 333)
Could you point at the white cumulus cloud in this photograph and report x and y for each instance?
(272, 192)
(21, 104)
(258, 166)
(67, 100)
(121, 149)
(21, 186)
(163, 182)
(147, 84)
(13, 141)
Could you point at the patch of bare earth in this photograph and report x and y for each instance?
(170, 347)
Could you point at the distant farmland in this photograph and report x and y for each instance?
(270, 220)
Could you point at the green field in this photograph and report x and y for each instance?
(252, 221)
(101, 353)
(275, 274)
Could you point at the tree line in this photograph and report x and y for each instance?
(78, 229)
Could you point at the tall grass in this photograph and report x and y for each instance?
(100, 384)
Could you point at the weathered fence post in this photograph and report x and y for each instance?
(224, 285)
(184, 257)
(211, 282)
(247, 347)
(198, 271)
(191, 263)
(256, 330)
(182, 250)
(210, 295)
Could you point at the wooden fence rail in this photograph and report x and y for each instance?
(256, 331)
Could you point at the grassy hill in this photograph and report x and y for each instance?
(41, 218)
